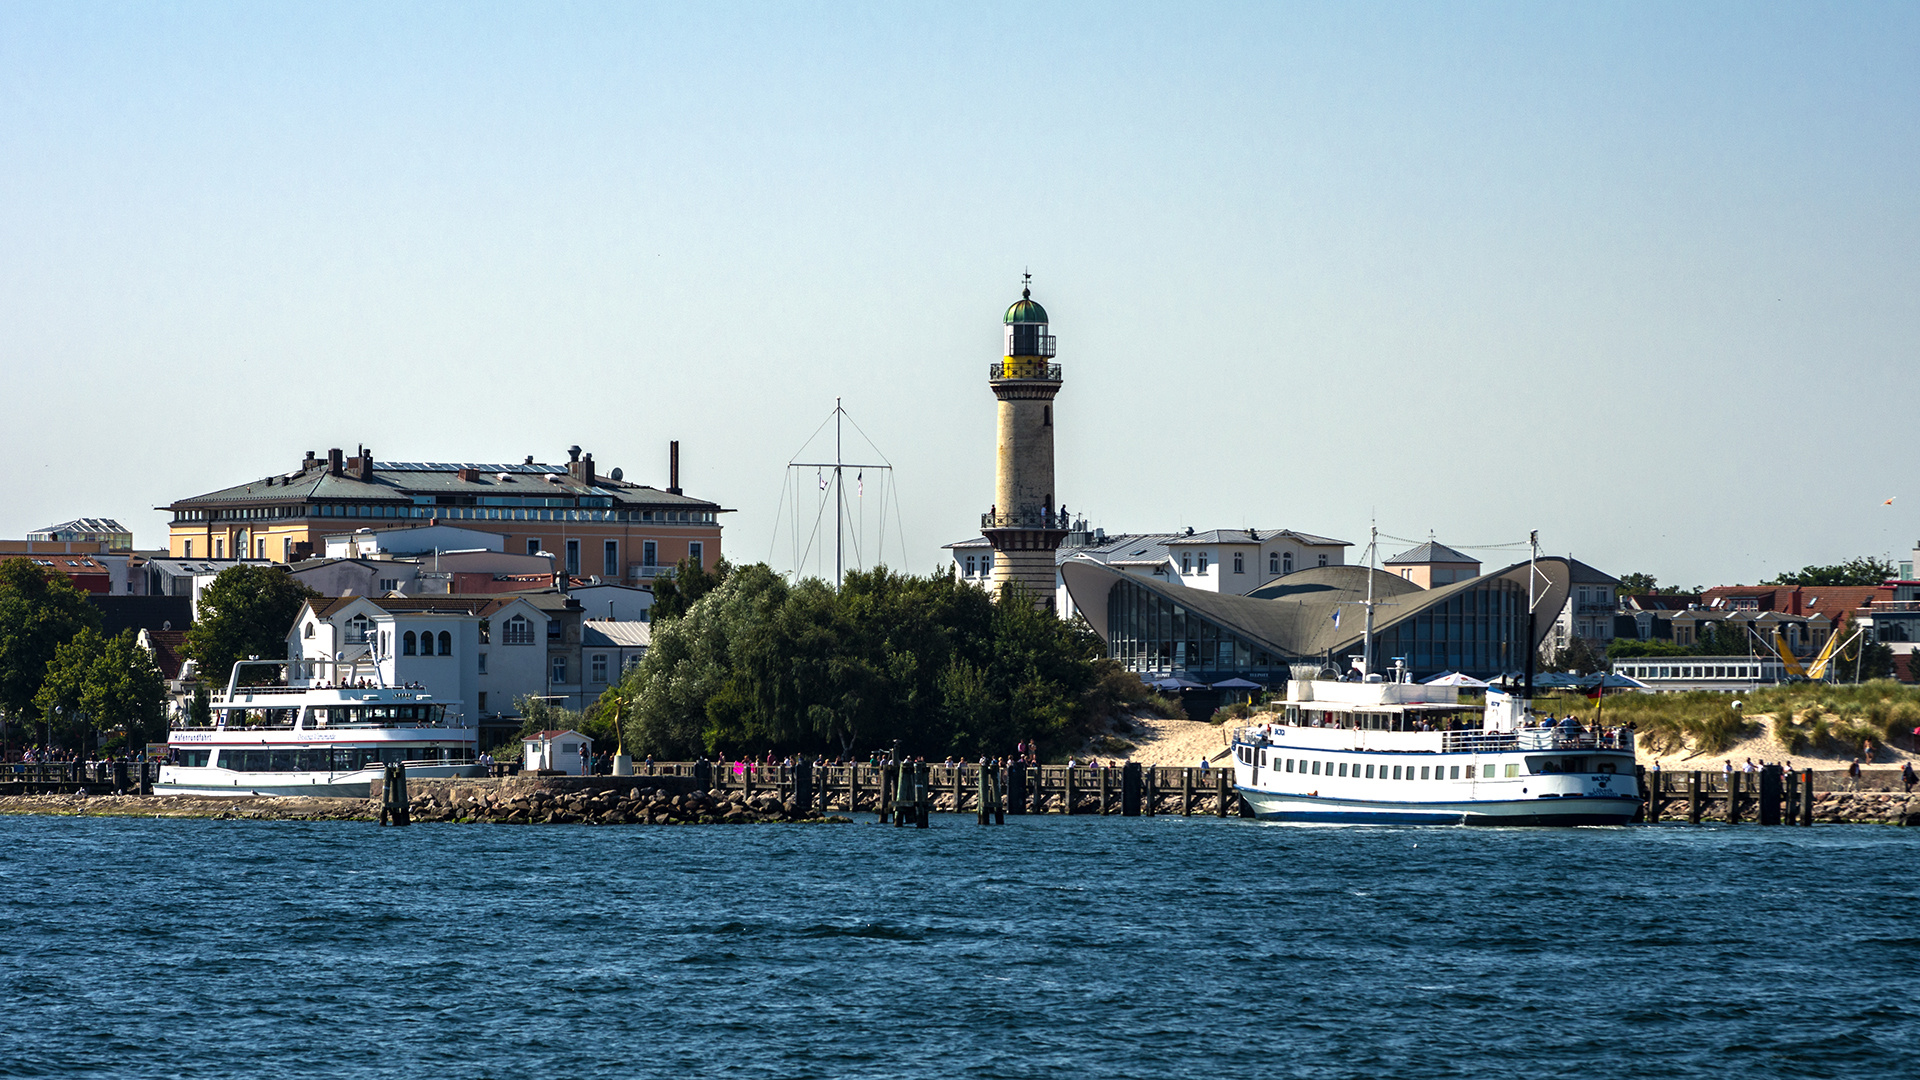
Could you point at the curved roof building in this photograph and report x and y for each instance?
(1317, 616)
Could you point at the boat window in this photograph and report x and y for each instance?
(1396, 772)
(1512, 770)
(1316, 768)
(1409, 772)
(1456, 772)
(1425, 772)
(193, 759)
(1369, 772)
(1487, 772)
(1343, 768)
(1263, 758)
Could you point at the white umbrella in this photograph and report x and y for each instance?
(1455, 678)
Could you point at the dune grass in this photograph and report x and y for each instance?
(1805, 718)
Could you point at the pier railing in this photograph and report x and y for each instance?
(1032, 789)
(68, 777)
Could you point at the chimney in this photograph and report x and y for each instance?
(580, 468)
(673, 467)
(310, 462)
(366, 463)
(467, 476)
(335, 463)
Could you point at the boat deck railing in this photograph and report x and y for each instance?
(1482, 741)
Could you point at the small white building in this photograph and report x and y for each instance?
(566, 752)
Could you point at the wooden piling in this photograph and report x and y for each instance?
(1186, 792)
(1733, 798)
(1806, 797)
(1066, 802)
(1770, 795)
(1151, 784)
(1103, 789)
(1223, 784)
(1693, 797)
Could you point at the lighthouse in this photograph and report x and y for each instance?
(1025, 525)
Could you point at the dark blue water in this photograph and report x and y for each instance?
(1048, 948)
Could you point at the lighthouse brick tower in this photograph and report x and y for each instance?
(1025, 525)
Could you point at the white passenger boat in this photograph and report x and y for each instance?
(331, 737)
(1386, 751)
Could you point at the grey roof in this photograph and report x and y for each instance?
(1587, 575)
(401, 481)
(181, 567)
(609, 634)
(1293, 616)
(1431, 552)
(87, 525)
(1258, 536)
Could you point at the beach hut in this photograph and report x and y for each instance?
(566, 752)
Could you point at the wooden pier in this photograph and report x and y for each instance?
(1129, 790)
(1771, 796)
(69, 777)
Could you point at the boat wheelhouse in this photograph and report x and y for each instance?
(332, 737)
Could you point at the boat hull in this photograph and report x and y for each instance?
(1564, 811)
(353, 785)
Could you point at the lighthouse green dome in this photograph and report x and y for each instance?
(1024, 310)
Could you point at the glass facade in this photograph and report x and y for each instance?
(1148, 633)
(1479, 630)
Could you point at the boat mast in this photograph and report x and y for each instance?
(839, 500)
(1533, 556)
(1366, 639)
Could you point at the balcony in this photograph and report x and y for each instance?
(1044, 520)
(647, 573)
(1017, 369)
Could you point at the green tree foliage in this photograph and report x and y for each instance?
(758, 664)
(1865, 570)
(39, 611)
(1638, 584)
(246, 611)
(596, 722)
(1628, 648)
(102, 684)
(1578, 657)
(674, 594)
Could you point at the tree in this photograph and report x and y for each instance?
(39, 611)
(1864, 570)
(674, 594)
(1578, 657)
(930, 662)
(104, 684)
(246, 611)
(1638, 584)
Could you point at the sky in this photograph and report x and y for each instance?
(1640, 277)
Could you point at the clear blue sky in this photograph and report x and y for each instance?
(1640, 277)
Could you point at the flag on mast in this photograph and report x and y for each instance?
(820, 474)
(860, 484)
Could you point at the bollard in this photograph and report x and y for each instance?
(803, 788)
(1130, 789)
